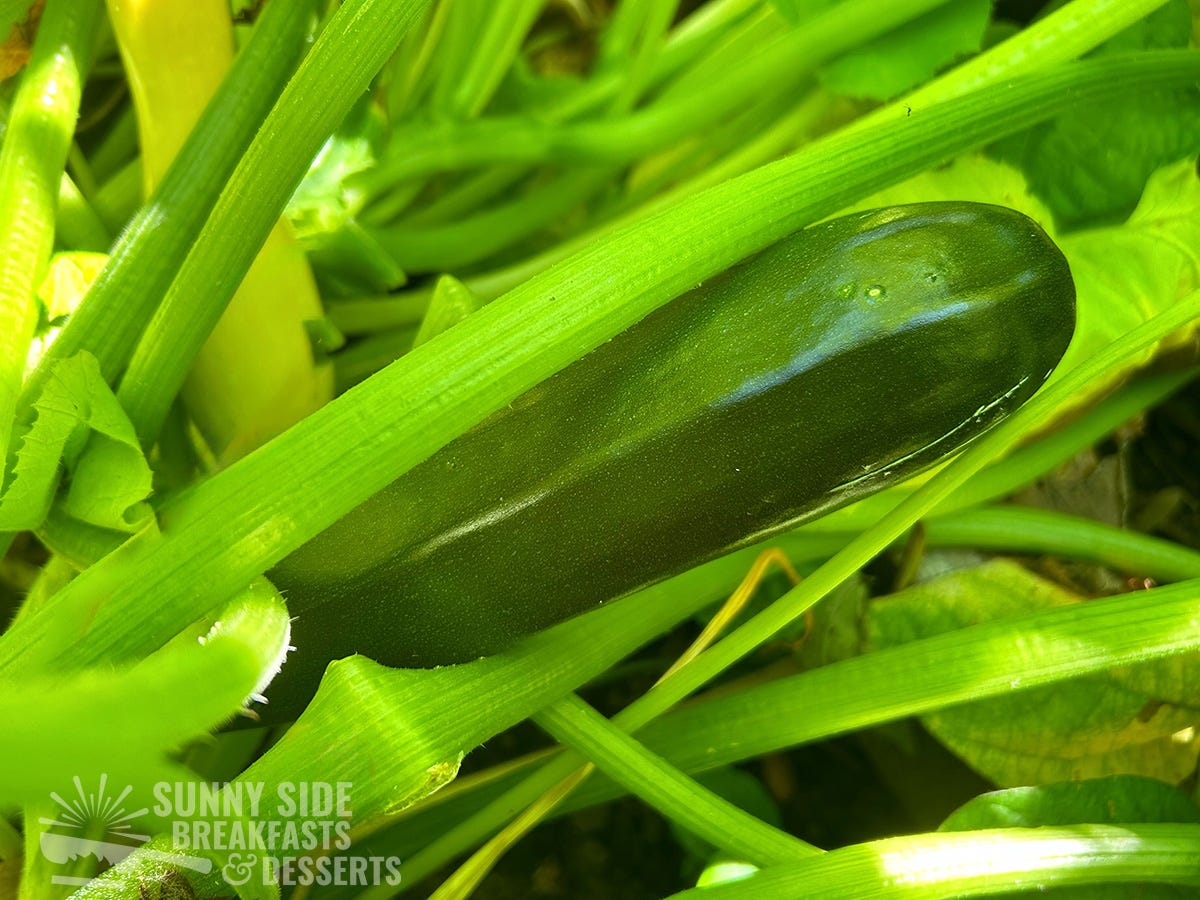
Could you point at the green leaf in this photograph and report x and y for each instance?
(835, 631)
(80, 424)
(973, 177)
(1138, 719)
(1091, 164)
(1126, 274)
(1112, 800)
(912, 54)
(346, 259)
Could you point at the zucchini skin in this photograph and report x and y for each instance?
(841, 360)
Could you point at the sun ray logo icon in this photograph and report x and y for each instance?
(98, 810)
(95, 811)
(100, 815)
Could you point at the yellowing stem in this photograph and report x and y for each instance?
(255, 376)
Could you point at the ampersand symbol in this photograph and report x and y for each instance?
(240, 868)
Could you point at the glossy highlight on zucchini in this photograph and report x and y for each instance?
(841, 360)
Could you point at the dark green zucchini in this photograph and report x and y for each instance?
(837, 362)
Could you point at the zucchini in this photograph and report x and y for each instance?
(839, 361)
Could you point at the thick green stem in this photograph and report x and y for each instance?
(36, 143)
(574, 723)
(1018, 529)
(984, 863)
